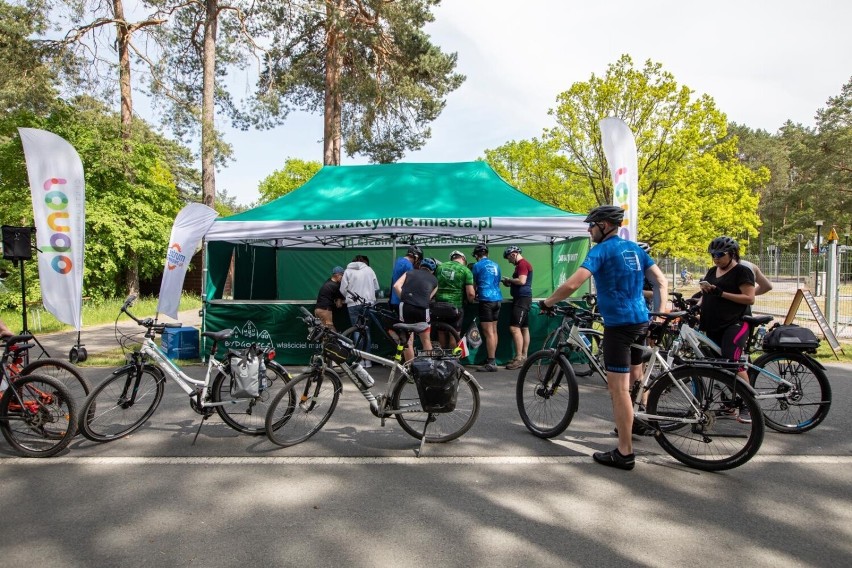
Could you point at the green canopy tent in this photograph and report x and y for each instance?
(280, 253)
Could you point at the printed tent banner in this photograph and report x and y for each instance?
(620, 150)
(59, 209)
(189, 227)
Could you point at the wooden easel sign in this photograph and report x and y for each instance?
(804, 293)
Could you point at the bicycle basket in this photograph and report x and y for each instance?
(245, 373)
(336, 351)
(437, 381)
(790, 338)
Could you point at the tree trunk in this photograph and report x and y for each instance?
(131, 275)
(122, 34)
(332, 110)
(208, 131)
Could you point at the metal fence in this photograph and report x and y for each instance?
(788, 273)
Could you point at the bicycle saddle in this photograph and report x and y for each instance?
(755, 321)
(218, 335)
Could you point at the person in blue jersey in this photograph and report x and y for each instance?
(619, 268)
(486, 283)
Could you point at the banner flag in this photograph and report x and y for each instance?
(59, 210)
(619, 148)
(191, 223)
(461, 349)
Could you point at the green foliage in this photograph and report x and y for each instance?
(374, 58)
(692, 187)
(281, 182)
(131, 199)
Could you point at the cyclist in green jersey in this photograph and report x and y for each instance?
(455, 284)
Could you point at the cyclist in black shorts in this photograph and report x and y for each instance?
(520, 285)
(486, 281)
(415, 289)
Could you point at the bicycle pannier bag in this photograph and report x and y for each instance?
(790, 338)
(444, 311)
(336, 351)
(245, 374)
(437, 381)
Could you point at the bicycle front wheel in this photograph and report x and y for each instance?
(248, 415)
(717, 437)
(39, 418)
(443, 427)
(302, 407)
(546, 393)
(799, 405)
(121, 404)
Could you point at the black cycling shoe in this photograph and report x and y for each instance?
(615, 459)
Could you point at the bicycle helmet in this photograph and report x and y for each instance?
(415, 252)
(429, 263)
(510, 250)
(480, 250)
(723, 244)
(457, 253)
(612, 213)
(645, 246)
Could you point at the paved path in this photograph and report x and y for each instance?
(101, 338)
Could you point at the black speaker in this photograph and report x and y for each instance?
(17, 243)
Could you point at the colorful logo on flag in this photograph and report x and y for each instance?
(175, 258)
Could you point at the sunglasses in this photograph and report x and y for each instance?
(718, 254)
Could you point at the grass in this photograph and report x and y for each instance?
(94, 312)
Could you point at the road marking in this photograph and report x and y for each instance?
(366, 460)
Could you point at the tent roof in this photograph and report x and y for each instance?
(465, 201)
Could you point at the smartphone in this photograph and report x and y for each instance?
(703, 282)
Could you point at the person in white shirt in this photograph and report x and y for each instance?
(360, 279)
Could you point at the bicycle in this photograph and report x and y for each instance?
(128, 398)
(38, 415)
(592, 336)
(17, 361)
(384, 319)
(687, 407)
(791, 387)
(302, 409)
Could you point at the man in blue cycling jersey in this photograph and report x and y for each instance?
(619, 268)
(486, 282)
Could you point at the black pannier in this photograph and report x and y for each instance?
(437, 381)
(790, 338)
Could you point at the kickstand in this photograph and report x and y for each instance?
(423, 439)
(200, 424)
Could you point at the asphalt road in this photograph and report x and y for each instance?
(355, 494)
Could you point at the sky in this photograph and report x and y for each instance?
(763, 62)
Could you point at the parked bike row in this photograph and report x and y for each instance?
(690, 400)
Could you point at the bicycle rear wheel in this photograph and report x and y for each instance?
(443, 427)
(302, 407)
(546, 393)
(804, 404)
(66, 373)
(121, 404)
(717, 440)
(41, 420)
(248, 415)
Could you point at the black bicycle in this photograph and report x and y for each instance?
(384, 319)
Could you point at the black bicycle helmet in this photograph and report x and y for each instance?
(415, 252)
(429, 263)
(480, 250)
(612, 213)
(510, 250)
(723, 244)
(645, 246)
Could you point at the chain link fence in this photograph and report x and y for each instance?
(788, 273)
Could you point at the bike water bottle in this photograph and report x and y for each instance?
(261, 369)
(761, 333)
(363, 375)
(587, 341)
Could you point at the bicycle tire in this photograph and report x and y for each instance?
(302, 408)
(111, 419)
(443, 427)
(45, 423)
(806, 406)
(66, 373)
(247, 415)
(545, 404)
(579, 361)
(718, 441)
(439, 326)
